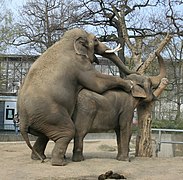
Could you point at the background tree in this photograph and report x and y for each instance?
(173, 97)
(177, 57)
(42, 22)
(6, 32)
(144, 19)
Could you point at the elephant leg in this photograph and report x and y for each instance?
(86, 118)
(123, 142)
(78, 149)
(118, 141)
(59, 150)
(40, 146)
(124, 147)
(40, 143)
(61, 134)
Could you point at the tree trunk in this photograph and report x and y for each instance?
(143, 144)
(178, 90)
(144, 110)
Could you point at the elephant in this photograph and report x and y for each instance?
(112, 110)
(47, 97)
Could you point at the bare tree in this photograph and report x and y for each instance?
(133, 23)
(175, 95)
(42, 22)
(175, 16)
(116, 14)
(6, 32)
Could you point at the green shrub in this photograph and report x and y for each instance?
(167, 124)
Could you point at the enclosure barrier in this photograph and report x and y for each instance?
(159, 141)
(7, 127)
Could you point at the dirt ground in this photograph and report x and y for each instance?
(15, 164)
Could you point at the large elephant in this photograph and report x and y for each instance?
(48, 95)
(112, 110)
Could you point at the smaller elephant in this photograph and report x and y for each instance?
(112, 110)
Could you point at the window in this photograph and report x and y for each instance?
(10, 114)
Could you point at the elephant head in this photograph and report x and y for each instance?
(87, 45)
(144, 85)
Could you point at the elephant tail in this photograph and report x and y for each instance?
(26, 138)
(24, 132)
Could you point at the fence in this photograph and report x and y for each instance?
(160, 141)
(7, 127)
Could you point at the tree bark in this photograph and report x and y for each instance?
(143, 141)
(135, 48)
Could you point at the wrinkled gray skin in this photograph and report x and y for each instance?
(48, 95)
(112, 110)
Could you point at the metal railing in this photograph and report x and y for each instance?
(7, 127)
(159, 141)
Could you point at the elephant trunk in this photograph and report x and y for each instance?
(119, 63)
(105, 51)
(162, 74)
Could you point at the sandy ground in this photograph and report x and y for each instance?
(15, 164)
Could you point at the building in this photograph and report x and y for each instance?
(13, 69)
(7, 111)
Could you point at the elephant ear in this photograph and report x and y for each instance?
(138, 91)
(81, 46)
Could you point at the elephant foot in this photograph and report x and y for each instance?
(77, 157)
(58, 158)
(58, 162)
(34, 156)
(123, 158)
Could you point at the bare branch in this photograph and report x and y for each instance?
(161, 87)
(121, 20)
(152, 56)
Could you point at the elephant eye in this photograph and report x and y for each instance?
(91, 43)
(95, 41)
(140, 85)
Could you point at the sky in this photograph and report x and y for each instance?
(15, 2)
(14, 5)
